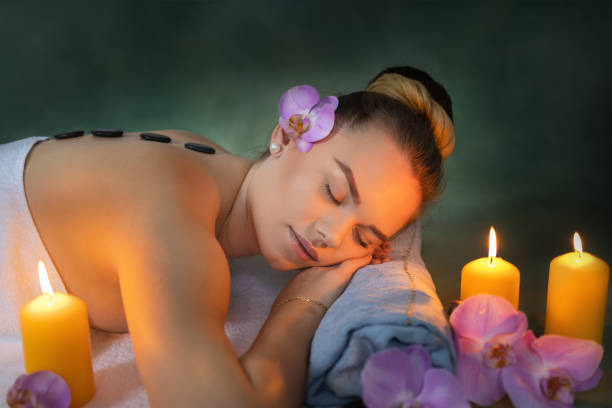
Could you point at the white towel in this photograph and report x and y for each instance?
(254, 286)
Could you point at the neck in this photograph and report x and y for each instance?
(237, 236)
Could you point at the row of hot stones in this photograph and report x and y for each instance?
(152, 137)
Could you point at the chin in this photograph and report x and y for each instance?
(279, 263)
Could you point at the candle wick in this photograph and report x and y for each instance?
(491, 259)
(51, 297)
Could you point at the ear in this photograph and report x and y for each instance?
(279, 136)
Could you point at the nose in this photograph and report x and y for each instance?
(330, 232)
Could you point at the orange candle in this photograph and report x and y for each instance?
(55, 337)
(492, 275)
(577, 294)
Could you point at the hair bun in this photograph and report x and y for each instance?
(420, 93)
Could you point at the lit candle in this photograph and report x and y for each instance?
(492, 275)
(577, 292)
(55, 337)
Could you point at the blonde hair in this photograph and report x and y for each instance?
(415, 95)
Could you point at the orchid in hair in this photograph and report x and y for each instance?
(305, 116)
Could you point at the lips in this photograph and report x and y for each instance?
(305, 245)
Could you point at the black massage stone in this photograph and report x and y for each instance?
(198, 147)
(107, 132)
(68, 135)
(155, 137)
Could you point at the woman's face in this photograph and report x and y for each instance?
(343, 197)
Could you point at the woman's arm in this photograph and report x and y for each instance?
(277, 361)
(281, 349)
(174, 283)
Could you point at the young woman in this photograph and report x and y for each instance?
(141, 231)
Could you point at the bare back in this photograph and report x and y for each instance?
(83, 193)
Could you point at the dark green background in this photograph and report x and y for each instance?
(529, 82)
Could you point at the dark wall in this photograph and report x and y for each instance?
(529, 81)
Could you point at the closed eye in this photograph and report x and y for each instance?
(331, 196)
(358, 238)
(355, 232)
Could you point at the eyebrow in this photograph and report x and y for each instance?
(348, 173)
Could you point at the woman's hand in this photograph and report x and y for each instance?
(323, 283)
(380, 254)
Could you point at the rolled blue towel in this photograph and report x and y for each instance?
(382, 307)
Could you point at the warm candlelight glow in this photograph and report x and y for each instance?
(43, 278)
(492, 246)
(577, 294)
(492, 275)
(55, 337)
(577, 244)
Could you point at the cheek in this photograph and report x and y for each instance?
(302, 202)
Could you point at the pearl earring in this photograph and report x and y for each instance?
(275, 148)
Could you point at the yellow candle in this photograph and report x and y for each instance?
(577, 294)
(55, 337)
(492, 275)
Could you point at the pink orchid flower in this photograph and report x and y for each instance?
(550, 369)
(486, 330)
(405, 378)
(306, 117)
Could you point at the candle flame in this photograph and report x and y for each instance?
(577, 244)
(492, 246)
(43, 277)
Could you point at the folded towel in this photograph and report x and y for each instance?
(382, 307)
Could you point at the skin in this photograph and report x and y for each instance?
(68, 209)
(141, 231)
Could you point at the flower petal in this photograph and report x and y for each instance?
(387, 377)
(510, 330)
(298, 99)
(527, 356)
(441, 389)
(523, 388)
(330, 102)
(284, 124)
(322, 124)
(589, 382)
(481, 384)
(418, 361)
(468, 345)
(40, 388)
(480, 315)
(302, 145)
(580, 357)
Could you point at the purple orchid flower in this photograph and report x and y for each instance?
(405, 378)
(306, 117)
(486, 331)
(550, 369)
(40, 389)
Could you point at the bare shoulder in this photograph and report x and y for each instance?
(175, 180)
(167, 245)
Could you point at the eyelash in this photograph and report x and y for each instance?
(331, 196)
